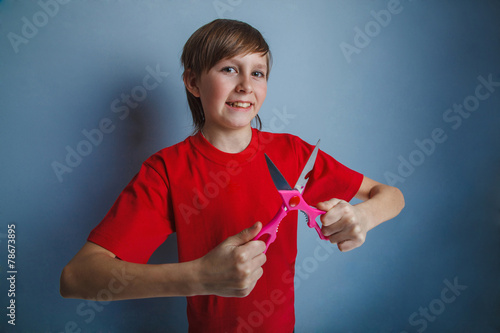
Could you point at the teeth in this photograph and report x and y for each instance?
(240, 105)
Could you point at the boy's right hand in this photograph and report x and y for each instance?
(234, 266)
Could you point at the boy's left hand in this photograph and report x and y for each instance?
(343, 223)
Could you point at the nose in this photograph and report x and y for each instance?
(244, 84)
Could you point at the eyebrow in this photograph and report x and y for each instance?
(260, 66)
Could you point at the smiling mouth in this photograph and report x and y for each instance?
(239, 104)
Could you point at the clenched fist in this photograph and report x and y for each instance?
(234, 266)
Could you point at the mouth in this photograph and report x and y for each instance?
(239, 104)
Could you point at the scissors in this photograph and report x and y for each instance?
(292, 199)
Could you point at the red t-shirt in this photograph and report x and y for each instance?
(205, 196)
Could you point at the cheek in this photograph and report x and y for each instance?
(210, 95)
(262, 92)
(217, 92)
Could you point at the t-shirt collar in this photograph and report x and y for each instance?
(203, 146)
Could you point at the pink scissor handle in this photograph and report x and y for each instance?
(292, 200)
(272, 227)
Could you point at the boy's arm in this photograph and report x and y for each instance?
(230, 269)
(347, 225)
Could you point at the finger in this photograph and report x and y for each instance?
(340, 211)
(333, 229)
(338, 237)
(327, 205)
(252, 250)
(245, 235)
(245, 289)
(260, 259)
(349, 238)
(253, 279)
(257, 274)
(349, 245)
(249, 274)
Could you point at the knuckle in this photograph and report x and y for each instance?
(358, 239)
(361, 238)
(260, 273)
(246, 272)
(241, 256)
(243, 273)
(358, 233)
(342, 247)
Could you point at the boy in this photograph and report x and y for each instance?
(211, 188)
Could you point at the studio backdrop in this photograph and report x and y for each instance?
(405, 92)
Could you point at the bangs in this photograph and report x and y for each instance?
(233, 43)
(222, 39)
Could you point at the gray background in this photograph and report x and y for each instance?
(368, 109)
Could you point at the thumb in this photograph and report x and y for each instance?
(327, 205)
(245, 235)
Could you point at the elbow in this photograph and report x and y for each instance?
(400, 199)
(64, 284)
(394, 198)
(68, 283)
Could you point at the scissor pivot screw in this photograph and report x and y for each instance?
(294, 201)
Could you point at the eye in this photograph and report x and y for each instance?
(229, 69)
(259, 74)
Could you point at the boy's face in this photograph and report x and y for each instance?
(232, 91)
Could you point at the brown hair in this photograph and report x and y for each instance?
(213, 42)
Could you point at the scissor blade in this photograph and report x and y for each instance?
(278, 179)
(302, 182)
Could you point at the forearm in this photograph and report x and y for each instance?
(382, 203)
(97, 276)
(231, 269)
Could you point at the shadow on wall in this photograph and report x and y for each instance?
(142, 136)
(142, 119)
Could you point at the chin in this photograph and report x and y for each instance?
(239, 124)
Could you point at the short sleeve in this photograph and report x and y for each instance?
(138, 222)
(329, 178)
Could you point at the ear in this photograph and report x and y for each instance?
(191, 82)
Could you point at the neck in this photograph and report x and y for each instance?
(229, 141)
